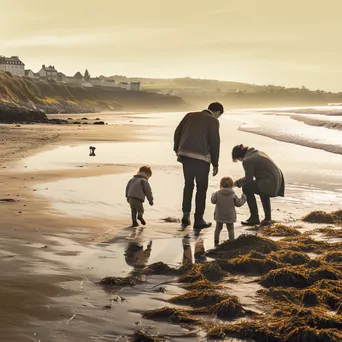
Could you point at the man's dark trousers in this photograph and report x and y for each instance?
(195, 170)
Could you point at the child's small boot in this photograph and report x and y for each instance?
(134, 218)
(141, 219)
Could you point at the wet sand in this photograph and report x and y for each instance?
(73, 226)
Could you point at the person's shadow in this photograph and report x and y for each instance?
(199, 251)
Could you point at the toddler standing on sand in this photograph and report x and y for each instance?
(136, 190)
(225, 213)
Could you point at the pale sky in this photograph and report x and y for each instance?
(291, 43)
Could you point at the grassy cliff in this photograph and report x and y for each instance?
(53, 97)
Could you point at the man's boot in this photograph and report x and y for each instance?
(266, 204)
(186, 220)
(200, 223)
(253, 208)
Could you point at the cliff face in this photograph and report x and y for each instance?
(53, 97)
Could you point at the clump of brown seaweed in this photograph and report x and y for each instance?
(333, 257)
(290, 324)
(173, 315)
(244, 244)
(119, 281)
(304, 243)
(160, 268)
(204, 285)
(200, 298)
(290, 257)
(144, 336)
(249, 265)
(257, 331)
(285, 277)
(319, 216)
(280, 230)
(209, 270)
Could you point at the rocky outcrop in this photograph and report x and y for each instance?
(10, 114)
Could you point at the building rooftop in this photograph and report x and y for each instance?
(11, 60)
(49, 68)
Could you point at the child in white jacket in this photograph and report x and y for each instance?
(226, 200)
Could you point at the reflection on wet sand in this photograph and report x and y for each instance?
(136, 256)
(199, 251)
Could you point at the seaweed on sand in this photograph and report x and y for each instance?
(204, 285)
(192, 275)
(209, 270)
(332, 232)
(257, 331)
(324, 272)
(314, 263)
(212, 271)
(308, 297)
(244, 244)
(303, 334)
(249, 265)
(172, 315)
(144, 336)
(280, 230)
(228, 308)
(294, 317)
(119, 281)
(200, 298)
(337, 215)
(333, 286)
(306, 244)
(285, 277)
(333, 257)
(288, 295)
(160, 268)
(290, 257)
(319, 216)
(171, 220)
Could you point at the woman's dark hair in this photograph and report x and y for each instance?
(146, 169)
(216, 107)
(239, 152)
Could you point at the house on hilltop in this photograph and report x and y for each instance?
(61, 77)
(135, 86)
(13, 65)
(29, 73)
(48, 73)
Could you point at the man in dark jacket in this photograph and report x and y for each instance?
(262, 177)
(197, 145)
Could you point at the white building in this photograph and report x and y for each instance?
(96, 81)
(125, 85)
(135, 86)
(48, 73)
(13, 65)
(29, 73)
